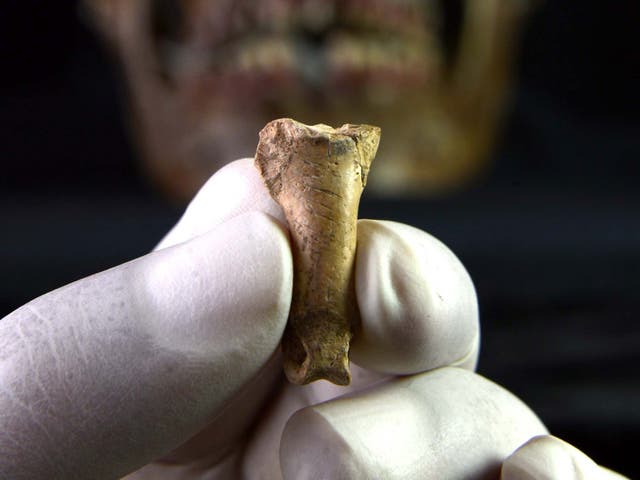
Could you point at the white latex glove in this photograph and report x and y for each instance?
(549, 458)
(169, 365)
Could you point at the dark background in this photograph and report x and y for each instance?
(551, 235)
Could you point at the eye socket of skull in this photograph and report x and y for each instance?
(167, 28)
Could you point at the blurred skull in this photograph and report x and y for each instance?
(204, 76)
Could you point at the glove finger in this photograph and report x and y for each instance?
(233, 190)
(417, 302)
(449, 423)
(117, 369)
(546, 458)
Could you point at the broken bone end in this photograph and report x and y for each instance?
(316, 347)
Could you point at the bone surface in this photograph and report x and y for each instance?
(317, 175)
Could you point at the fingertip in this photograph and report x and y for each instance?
(310, 447)
(417, 302)
(235, 189)
(548, 457)
(223, 294)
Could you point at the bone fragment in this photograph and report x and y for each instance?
(317, 174)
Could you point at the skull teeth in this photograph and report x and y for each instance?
(317, 43)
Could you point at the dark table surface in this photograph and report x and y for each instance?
(551, 236)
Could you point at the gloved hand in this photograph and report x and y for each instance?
(168, 366)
